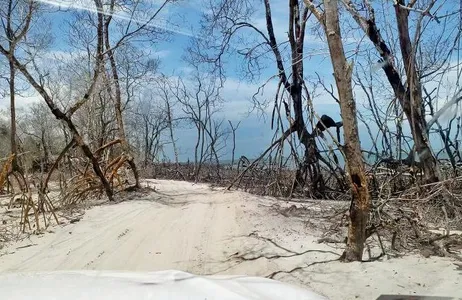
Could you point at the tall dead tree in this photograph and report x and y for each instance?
(199, 98)
(164, 92)
(233, 131)
(110, 50)
(147, 124)
(66, 117)
(15, 31)
(409, 93)
(359, 208)
(292, 99)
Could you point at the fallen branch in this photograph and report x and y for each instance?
(272, 275)
(286, 134)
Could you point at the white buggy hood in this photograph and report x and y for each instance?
(171, 284)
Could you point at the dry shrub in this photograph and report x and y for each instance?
(258, 180)
(404, 211)
(86, 185)
(408, 219)
(35, 198)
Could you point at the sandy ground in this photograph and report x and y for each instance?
(197, 229)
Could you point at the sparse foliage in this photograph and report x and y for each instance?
(108, 115)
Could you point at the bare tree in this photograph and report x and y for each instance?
(293, 101)
(359, 208)
(164, 92)
(66, 117)
(409, 94)
(199, 99)
(110, 51)
(147, 122)
(16, 18)
(233, 130)
(38, 124)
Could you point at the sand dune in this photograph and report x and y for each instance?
(205, 231)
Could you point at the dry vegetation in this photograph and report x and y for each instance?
(106, 116)
(406, 215)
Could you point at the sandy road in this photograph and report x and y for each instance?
(196, 229)
(177, 228)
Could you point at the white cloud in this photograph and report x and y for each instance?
(238, 97)
(88, 5)
(161, 53)
(22, 101)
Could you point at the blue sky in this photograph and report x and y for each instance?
(254, 133)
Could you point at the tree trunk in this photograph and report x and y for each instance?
(170, 127)
(46, 155)
(415, 111)
(297, 23)
(196, 149)
(12, 46)
(359, 209)
(118, 100)
(13, 146)
(233, 129)
(146, 142)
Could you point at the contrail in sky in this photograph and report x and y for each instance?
(449, 110)
(84, 5)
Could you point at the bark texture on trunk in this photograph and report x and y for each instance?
(13, 146)
(415, 110)
(118, 99)
(170, 127)
(12, 42)
(360, 203)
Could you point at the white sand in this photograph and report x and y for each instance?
(195, 229)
